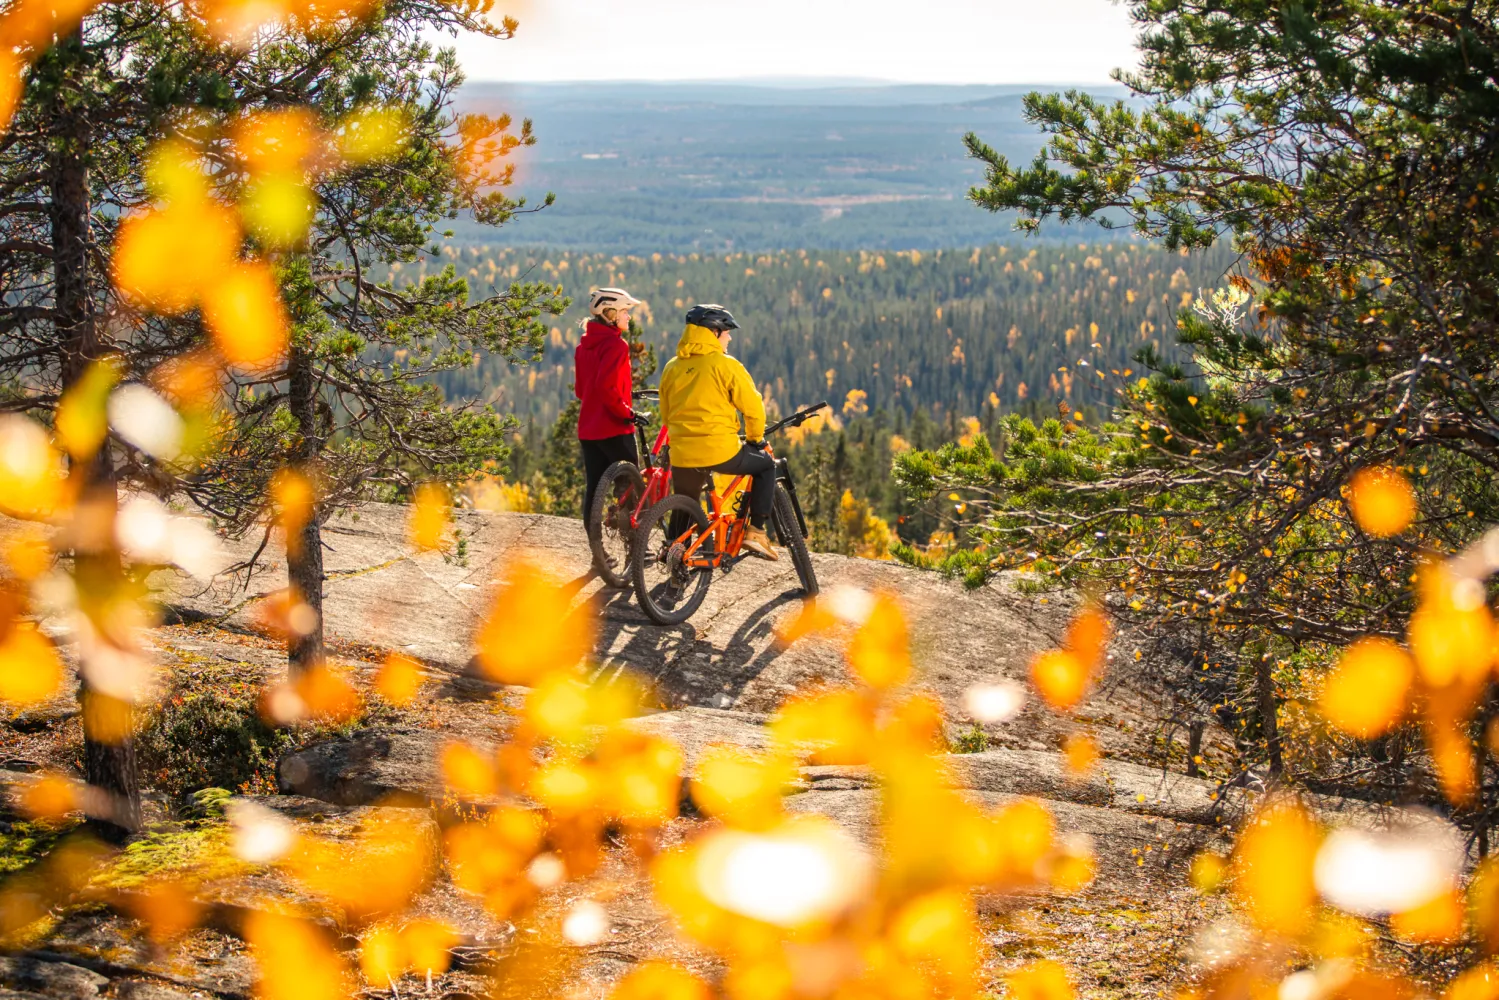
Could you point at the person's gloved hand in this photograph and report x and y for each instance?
(757, 445)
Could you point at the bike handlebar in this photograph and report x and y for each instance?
(645, 393)
(796, 419)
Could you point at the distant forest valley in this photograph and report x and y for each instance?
(922, 319)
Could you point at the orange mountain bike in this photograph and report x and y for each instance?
(678, 545)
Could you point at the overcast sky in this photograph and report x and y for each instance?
(932, 41)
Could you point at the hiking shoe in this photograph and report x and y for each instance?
(758, 543)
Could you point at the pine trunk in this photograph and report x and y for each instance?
(304, 556)
(1269, 724)
(109, 766)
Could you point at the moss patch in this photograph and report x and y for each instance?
(200, 852)
(26, 843)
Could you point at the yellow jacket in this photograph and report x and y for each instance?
(703, 391)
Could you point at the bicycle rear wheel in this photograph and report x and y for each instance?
(610, 532)
(669, 590)
(790, 533)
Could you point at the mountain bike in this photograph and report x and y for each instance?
(622, 494)
(678, 545)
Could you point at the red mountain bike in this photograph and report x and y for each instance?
(622, 494)
(678, 546)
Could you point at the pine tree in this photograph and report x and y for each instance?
(1345, 151)
(356, 410)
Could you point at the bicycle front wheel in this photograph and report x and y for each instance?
(790, 531)
(610, 532)
(668, 589)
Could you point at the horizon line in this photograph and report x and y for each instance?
(788, 83)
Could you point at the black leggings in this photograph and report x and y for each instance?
(598, 456)
(751, 462)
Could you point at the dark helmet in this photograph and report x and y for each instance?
(714, 317)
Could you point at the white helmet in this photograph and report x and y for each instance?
(610, 298)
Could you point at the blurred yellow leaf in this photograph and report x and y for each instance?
(642, 776)
(392, 858)
(107, 719)
(1081, 754)
(31, 471)
(1208, 871)
(1382, 501)
(488, 858)
(1365, 695)
(292, 493)
(1073, 870)
(1451, 634)
(428, 944)
(278, 208)
(166, 259)
(834, 727)
(82, 421)
(1272, 867)
(382, 955)
(1481, 982)
(879, 653)
(245, 315)
(531, 629)
(468, 772)
(10, 86)
(27, 552)
(30, 669)
(327, 696)
(741, 787)
(566, 787)
(167, 907)
(1060, 678)
(296, 961)
(1027, 832)
(814, 618)
(431, 514)
(191, 381)
(1453, 757)
(280, 140)
(371, 134)
(398, 679)
(940, 927)
(50, 798)
(657, 980)
(1040, 980)
(1441, 920)
(1483, 903)
(1088, 638)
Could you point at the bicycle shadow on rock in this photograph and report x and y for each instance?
(693, 666)
(627, 638)
(753, 647)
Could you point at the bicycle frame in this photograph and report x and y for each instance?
(726, 529)
(657, 477)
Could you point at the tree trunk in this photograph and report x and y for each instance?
(304, 555)
(1269, 725)
(109, 765)
(1194, 745)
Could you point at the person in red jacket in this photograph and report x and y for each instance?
(606, 421)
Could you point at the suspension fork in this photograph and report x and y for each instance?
(783, 474)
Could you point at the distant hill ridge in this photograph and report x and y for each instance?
(642, 167)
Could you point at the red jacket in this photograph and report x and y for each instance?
(602, 381)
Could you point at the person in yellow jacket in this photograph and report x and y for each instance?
(703, 394)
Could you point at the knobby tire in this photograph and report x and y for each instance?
(610, 535)
(790, 531)
(664, 603)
